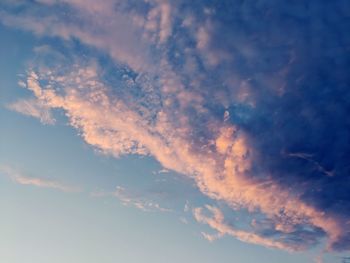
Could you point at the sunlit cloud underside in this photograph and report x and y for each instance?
(249, 100)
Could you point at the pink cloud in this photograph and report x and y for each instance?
(220, 165)
(35, 181)
(107, 31)
(217, 223)
(220, 170)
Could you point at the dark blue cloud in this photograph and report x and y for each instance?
(295, 57)
(311, 115)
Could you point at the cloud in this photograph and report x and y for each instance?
(136, 200)
(318, 259)
(158, 23)
(274, 239)
(128, 199)
(249, 100)
(93, 27)
(116, 128)
(216, 222)
(33, 108)
(183, 220)
(35, 181)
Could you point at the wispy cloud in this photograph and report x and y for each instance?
(33, 108)
(277, 240)
(318, 259)
(129, 198)
(19, 178)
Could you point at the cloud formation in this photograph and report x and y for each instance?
(250, 100)
(36, 181)
(133, 199)
(34, 109)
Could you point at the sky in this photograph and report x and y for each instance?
(174, 131)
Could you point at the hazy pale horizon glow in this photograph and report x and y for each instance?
(167, 131)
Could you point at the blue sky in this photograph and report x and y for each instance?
(173, 131)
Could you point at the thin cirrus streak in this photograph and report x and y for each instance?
(238, 111)
(19, 178)
(129, 198)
